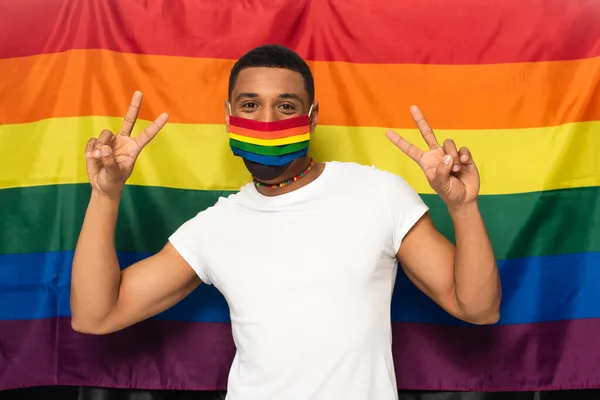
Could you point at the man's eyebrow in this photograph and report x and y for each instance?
(246, 94)
(291, 96)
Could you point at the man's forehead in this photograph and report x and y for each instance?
(266, 81)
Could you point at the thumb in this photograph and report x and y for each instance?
(466, 161)
(93, 165)
(110, 164)
(442, 173)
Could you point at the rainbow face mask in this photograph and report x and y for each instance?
(274, 143)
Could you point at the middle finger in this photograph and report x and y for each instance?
(450, 149)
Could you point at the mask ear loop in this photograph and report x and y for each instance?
(227, 116)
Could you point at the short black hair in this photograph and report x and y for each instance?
(274, 56)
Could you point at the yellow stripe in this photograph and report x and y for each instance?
(198, 156)
(270, 142)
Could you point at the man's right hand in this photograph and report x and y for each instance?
(110, 158)
(105, 298)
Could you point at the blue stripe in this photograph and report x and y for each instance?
(536, 289)
(269, 160)
(37, 285)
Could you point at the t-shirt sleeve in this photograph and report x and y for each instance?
(189, 241)
(406, 208)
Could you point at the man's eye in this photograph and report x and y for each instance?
(288, 107)
(249, 105)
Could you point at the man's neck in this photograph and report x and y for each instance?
(294, 170)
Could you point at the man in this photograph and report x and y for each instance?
(305, 255)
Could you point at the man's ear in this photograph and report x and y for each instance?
(227, 109)
(314, 116)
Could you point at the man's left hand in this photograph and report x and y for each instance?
(451, 173)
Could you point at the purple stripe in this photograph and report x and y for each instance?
(150, 355)
(197, 356)
(524, 357)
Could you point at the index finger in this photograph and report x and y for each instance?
(424, 127)
(150, 132)
(132, 114)
(407, 147)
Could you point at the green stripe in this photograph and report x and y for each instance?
(269, 150)
(48, 218)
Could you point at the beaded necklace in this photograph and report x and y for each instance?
(287, 182)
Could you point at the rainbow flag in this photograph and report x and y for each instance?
(517, 81)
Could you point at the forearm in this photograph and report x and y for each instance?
(477, 282)
(96, 273)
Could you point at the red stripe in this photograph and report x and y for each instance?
(302, 120)
(407, 31)
(197, 356)
(301, 130)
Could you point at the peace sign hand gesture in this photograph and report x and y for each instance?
(451, 173)
(110, 158)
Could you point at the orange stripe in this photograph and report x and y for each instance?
(300, 130)
(100, 82)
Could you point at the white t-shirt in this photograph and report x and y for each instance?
(308, 277)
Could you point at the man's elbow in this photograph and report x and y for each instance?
(88, 326)
(79, 327)
(489, 318)
(479, 314)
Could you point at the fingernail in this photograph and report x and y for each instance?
(105, 152)
(464, 158)
(447, 159)
(456, 168)
(88, 154)
(97, 153)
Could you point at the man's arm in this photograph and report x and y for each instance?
(104, 299)
(463, 280)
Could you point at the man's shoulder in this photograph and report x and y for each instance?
(217, 211)
(368, 173)
(376, 183)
